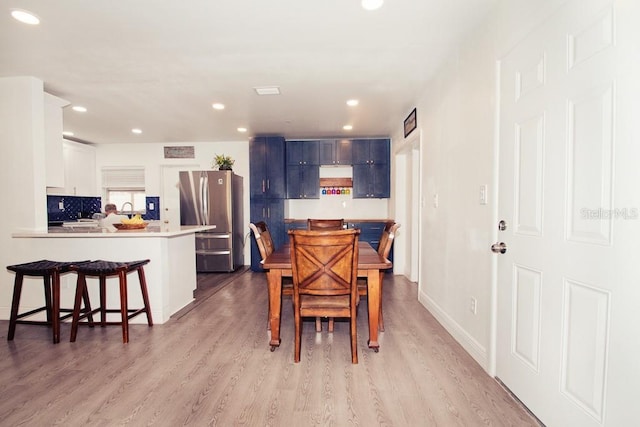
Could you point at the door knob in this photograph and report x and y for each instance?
(499, 248)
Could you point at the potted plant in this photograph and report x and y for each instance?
(224, 163)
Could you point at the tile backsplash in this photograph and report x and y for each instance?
(70, 208)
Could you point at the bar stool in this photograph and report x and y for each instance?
(50, 272)
(103, 270)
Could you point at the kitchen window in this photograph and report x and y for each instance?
(125, 187)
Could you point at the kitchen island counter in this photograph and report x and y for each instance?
(153, 230)
(171, 272)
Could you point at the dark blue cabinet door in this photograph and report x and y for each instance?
(371, 181)
(335, 152)
(303, 153)
(360, 151)
(303, 182)
(257, 167)
(266, 160)
(344, 150)
(379, 150)
(368, 151)
(327, 152)
(371, 168)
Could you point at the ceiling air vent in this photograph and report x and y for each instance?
(267, 90)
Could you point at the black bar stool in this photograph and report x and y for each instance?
(50, 272)
(103, 270)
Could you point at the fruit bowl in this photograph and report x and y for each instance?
(138, 226)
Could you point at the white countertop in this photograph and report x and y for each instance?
(154, 229)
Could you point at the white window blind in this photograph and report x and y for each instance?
(123, 178)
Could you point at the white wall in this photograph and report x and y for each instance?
(22, 125)
(457, 115)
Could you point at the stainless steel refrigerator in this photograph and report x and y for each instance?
(214, 198)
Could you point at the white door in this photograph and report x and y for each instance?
(565, 323)
(170, 200)
(406, 249)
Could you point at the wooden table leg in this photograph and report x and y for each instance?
(274, 281)
(373, 305)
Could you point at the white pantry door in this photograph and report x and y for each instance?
(170, 201)
(568, 324)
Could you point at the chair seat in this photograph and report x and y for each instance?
(42, 267)
(100, 267)
(310, 302)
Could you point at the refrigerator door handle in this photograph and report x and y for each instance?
(204, 195)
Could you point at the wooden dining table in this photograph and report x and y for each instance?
(370, 263)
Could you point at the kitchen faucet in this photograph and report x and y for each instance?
(125, 204)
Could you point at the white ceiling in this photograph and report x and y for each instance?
(158, 65)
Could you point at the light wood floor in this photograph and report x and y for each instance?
(212, 366)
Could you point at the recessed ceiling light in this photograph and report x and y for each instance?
(79, 109)
(242, 129)
(67, 133)
(25, 17)
(352, 102)
(136, 131)
(218, 106)
(372, 4)
(347, 127)
(267, 90)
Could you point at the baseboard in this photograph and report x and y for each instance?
(473, 347)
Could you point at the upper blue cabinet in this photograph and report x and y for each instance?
(267, 160)
(335, 152)
(303, 153)
(303, 170)
(370, 151)
(369, 158)
(371, 168)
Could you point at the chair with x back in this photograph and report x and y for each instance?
(325, 267)
(384, 249)
(325, 224)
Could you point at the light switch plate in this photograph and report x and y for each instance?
(483, 194)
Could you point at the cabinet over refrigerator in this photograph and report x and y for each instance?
(214, 198)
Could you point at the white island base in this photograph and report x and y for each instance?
(170, 275)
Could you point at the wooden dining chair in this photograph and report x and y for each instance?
(319, 225)
(325, 266)
(325, 224)
(265, 246)
(384, 249)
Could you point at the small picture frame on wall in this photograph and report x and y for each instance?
(410, 123)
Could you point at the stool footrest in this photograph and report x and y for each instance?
(31, 313)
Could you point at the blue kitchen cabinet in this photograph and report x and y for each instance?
(267, 189)
(335, 152)
(303, 170)
(303, 182)
(370, 151)
(371, 181)
(303, 153)
(267, 166)
(371, 168)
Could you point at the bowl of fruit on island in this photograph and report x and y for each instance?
(134, 223)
